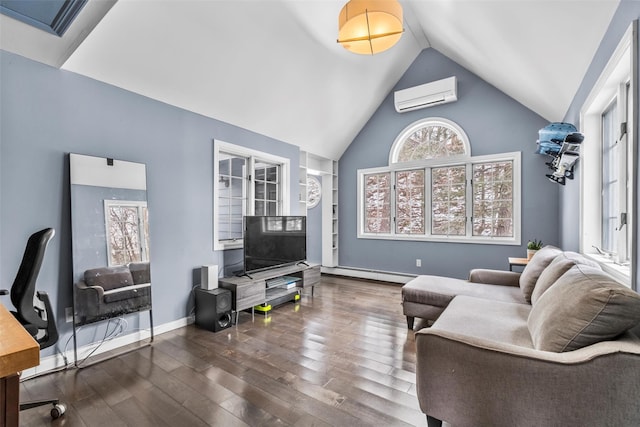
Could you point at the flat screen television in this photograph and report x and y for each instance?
(274, 241)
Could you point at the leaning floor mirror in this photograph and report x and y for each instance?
(110, 240)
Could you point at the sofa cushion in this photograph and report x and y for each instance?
(127, 293)
(439, 291)
(497, 321)
(108, 277)
(141, 272)
(534, 269)
(560, 265)
(583, 307)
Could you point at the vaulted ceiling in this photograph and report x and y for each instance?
(274, 67)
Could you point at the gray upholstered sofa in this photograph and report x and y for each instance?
(108, 292)
(563, 352)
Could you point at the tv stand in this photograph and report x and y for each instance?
(263, 290)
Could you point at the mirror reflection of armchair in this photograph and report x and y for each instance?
(110, 231)
(108, 292)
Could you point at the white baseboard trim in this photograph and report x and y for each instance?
(57, 361)
(360, 273)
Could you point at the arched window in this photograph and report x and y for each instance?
(429, 139)
(434, 190)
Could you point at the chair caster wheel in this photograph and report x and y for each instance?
(58, 410)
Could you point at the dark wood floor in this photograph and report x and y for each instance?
(341, 358)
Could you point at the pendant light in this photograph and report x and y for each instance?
(368, 27)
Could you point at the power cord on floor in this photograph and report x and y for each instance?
(118, 329)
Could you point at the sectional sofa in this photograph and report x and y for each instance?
(554, 346)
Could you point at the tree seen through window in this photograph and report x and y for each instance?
(443, 192)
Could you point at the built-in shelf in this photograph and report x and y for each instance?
(302, 183)
(327, 171)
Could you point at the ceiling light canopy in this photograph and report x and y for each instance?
(368, 27)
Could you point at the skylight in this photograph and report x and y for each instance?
(52, 16)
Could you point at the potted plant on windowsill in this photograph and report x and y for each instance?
(532, 247)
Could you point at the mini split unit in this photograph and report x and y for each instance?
(426, 95)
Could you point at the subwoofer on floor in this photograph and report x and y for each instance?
(213, 309)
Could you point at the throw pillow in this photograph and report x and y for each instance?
(560, 265)
(583, 307)
(108, 277)
(534, 268)
(141, 272)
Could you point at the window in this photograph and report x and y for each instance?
(608, 166)
(448, 201)
(433, 189)
(493, 199)
(610, 182)
(267, 189)
(232, 195)
(247, 182)
(410, 202)
(377, 212)
(427, 139)
(127, 228)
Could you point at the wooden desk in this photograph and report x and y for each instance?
(517, 261)
(18, 351)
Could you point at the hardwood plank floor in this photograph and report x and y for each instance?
(341, 358)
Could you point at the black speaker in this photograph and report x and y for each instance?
(213, 309)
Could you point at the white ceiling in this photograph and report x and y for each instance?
(274, 67)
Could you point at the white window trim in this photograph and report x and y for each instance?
(618, 70)
(418, 124)
(515, 156)
(285, 166)
(139, 205)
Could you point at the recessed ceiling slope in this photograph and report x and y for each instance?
(536, 51)
(272, 67)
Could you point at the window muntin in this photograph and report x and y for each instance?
(247, 182)
(430, 139)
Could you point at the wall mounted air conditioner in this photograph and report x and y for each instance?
(426, 95)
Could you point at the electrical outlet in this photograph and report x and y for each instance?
(68, 314)
(418, 262)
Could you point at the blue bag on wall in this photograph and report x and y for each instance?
(551, 137)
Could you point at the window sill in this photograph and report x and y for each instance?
(444, 239)
(621, 273)
(223, 246)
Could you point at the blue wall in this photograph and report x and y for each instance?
(495, 123)
(628, 11)
(47, 113)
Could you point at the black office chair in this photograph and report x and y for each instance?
(30, 316)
